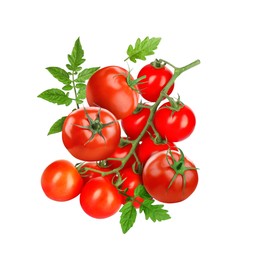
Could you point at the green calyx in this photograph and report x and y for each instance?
(95, 125)
(158, 64)
(175, 105)
(178, 166)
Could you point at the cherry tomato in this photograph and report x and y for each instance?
(61, 181)
(174, 126)
(99, 198)
(154, 82)
(91, 134)
(135, 123)
(131, 181)
(170, 178)
(121, 152)
(108, 88)
(148, 147)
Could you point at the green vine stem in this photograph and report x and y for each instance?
(153, 108)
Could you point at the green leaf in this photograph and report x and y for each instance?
(55, 96)
(128, 216)
(67, 87)
(154, 212)
(140, 191)
(81, 85)
(82, 92)
(57, 126)
(76, 56)
(60, 74)
(142, 48)
(86, 74)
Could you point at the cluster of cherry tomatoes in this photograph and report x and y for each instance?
(124, 138)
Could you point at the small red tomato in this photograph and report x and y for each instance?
(174, 126)
(148, 147)
(131, 181)
(134, 124)
(154, 82)
(61, 181)
(99, 198)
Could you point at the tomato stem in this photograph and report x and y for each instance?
(74, 88)
(153, 108)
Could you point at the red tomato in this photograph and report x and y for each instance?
(108, 88)
(131, 181)
(174, 126)
(169, 180)
(100, 198)
(91, 134)
(154, 82)
(121, 152)
(61, 181)
(89, 174)
(148, 147)
(135, 123)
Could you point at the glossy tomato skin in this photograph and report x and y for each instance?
(157, 176)
(148, 147)
(99, 198)
(78, 140)
(108, 88)
(174, 126)
(61, 181)
(156, 79)
(134, 124)
(131, 181)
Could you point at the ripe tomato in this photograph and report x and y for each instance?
(154, 82)
(91, 134)
(99, 198)
(170, 178)
(135, 123)
(89, 174)
(131, 181)
(121, 152)
(174, 126)
(108, 88)
(148, 147)
(61, 181)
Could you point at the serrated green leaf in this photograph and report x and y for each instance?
(86, 74)
(76, 56)
(153, 212)
(57, 126)
(142, 48)
(80, 85)
(55, 96)
(67, 87)
(82, 92)
(128, 216)
(60, 74)
(140, 191)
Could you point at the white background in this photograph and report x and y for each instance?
(221, 219)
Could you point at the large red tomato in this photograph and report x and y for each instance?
(170, 177)
(61, 181)
(109, 88)
(91, 134)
